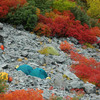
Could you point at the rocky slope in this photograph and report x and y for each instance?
(24, 45)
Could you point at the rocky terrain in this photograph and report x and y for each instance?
(21, 47)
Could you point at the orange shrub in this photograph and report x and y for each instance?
(51, 15)
(42, 29)
(95, 31)
(66, 47)
(29, 94)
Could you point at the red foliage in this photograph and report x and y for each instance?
(64, 25)
(66, 47)
(99, 20)
(83, 60)
(82, 71)
(6, 5)
(51, 88)
(87, 69)
(42, 29)
(87, 73)
(95, 79)
(68, 98)
(30, 94)
(95, 31)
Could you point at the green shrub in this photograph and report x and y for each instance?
(81, 15)
(25, 15)
(94, 22)
(44, 5)
(81, 2)
(31, 2)
(62, 5)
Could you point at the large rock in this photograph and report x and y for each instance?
(89, 88)
(71, 75)
(77, 84)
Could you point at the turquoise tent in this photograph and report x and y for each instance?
(37, 72)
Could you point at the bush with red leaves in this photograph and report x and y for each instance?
(95, 31)
(66, 47)
(64, 25)
(6, 5)
(87, 69)
(42, 29)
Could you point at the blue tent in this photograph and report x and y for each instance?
(37, 72)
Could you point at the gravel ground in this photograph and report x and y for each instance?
(24, 45)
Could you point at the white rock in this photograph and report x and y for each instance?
(71, 75)
(77, 84)
(89, 88)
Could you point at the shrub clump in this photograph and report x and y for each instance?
(6, 5)
(87, 69)
(62, 24)
(42, 29)
(94, 8)
(29, 94)
(62, 5)
(81, 16)
(43, 5)
(66, 47)
(25, 15)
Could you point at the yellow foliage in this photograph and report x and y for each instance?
(4, 75)
(51, 15)
(89, 45)
(38, 11)
(94, 8)
(65, 76)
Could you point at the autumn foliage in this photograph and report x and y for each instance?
(29, 94)
(62, 24)
(94, 8)
(6, 5)
(66, 47)
(95, 31)
(42, 29)
(87, 69)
